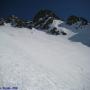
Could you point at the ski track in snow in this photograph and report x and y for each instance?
(18, 66)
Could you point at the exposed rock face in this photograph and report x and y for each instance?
(1, 21)
(9, 19)
(18, 22)
(43, 19)
(74, 19)
(53, 31)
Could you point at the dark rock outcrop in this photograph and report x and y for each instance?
(43, 19)
(1, 21)
(53, 31)
(74, 19)
(18, 22)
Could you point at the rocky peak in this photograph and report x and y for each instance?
(43, 19)
(76, 20)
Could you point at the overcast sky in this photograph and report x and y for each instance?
(28, 8)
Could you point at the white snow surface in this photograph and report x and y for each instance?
(34, 60)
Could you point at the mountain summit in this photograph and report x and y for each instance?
(47, 21)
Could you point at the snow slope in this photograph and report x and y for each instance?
(34, 60)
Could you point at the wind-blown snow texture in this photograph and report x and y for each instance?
(34, 60)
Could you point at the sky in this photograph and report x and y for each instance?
(28, 8)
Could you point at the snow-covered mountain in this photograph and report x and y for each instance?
(31, 59)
